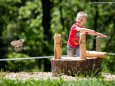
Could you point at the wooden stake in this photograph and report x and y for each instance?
(57, 46)
(82, 45)
(98, 43)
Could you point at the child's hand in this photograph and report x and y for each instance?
(93, 32)
(102, 35)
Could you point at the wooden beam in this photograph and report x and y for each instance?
(82, 45)
(57, 46)
(96, 54)
(98, 43)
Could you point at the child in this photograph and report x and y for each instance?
(73, 40)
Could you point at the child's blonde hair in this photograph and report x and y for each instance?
(82, 13)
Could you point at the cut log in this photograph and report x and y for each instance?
(82, 45)
(57, 46)
(73, 66)
(96, 54)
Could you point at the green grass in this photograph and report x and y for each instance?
(60, 82)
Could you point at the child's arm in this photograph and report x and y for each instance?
(91, 32)
(98, 34)
(85, 30)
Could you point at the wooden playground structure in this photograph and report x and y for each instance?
(88, 62)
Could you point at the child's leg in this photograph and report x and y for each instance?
(70, 51)
(77, 51)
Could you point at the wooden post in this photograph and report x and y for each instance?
(98, 43)
(82, 45)
(57, 46)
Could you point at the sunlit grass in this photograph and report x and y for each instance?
(60, 82)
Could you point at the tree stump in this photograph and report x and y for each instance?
(75, 65)
(89, 62)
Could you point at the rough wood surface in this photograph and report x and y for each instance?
(82, 45)
(98, 43)
(96, 54)
(57, 46)
(75, 65)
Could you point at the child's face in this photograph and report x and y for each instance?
(81, 20)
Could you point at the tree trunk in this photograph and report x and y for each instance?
(61, 14)
(3, 46)
(75, 66)
(46, 5)
(95, 24)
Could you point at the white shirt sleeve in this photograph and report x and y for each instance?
(79, 28)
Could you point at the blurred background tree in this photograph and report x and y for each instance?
(36, 21)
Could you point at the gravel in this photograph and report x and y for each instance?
(45, 76)
(35, 76)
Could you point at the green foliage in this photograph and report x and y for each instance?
(109, 64)
(16, 65)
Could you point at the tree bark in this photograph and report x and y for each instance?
(95, 24)
(76, 66)
(46, 5)
(61, 14)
